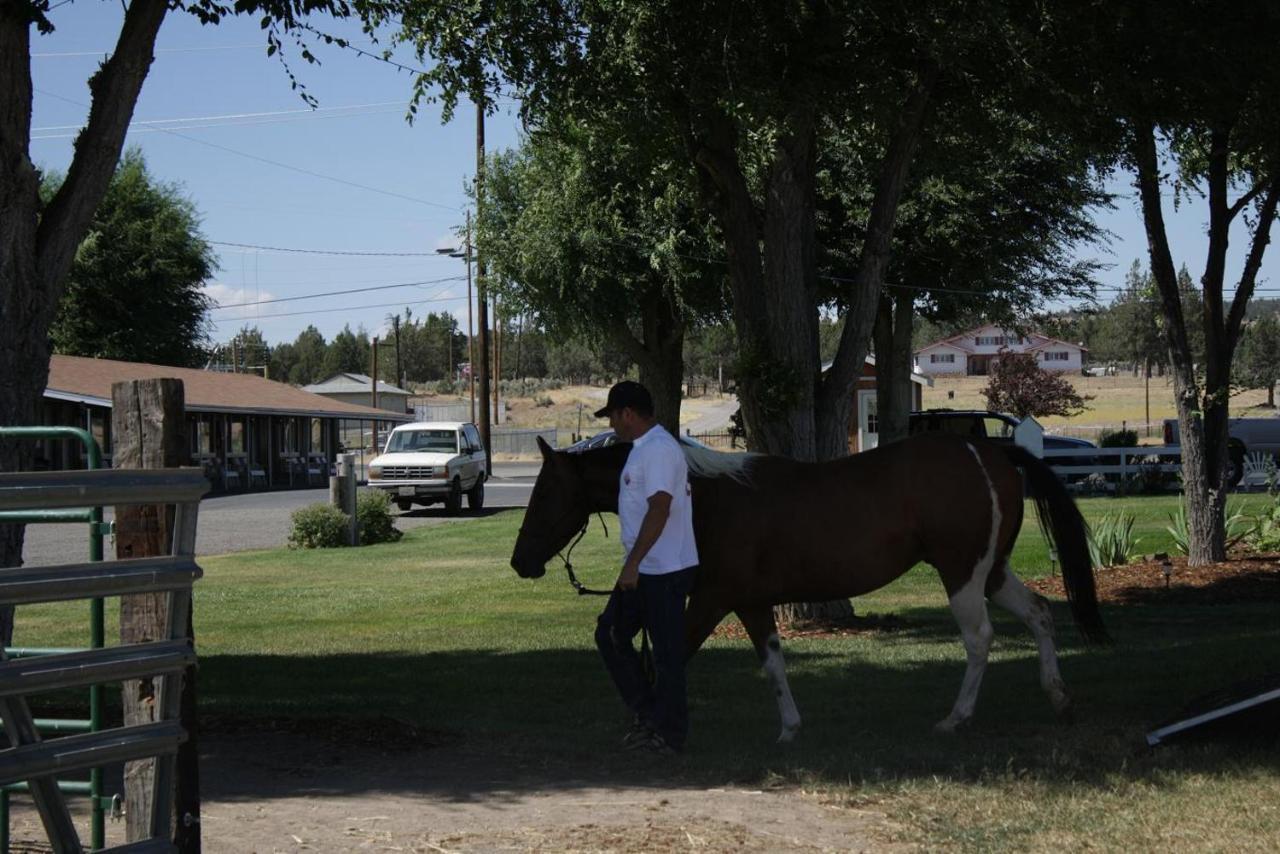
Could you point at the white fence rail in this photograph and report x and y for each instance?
(1167, 459)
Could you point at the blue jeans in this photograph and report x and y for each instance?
(657, 604)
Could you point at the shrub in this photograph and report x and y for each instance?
(1147, 478)
(1111, 542)
(1095, 484)
(544, 400)
(446, 387)
(318, 526)
(373, 517)
(1264, 535)
(1118, 439)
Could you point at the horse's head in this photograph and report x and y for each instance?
(570, 487)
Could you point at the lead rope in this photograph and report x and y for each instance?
(582, 589)
(646, 653)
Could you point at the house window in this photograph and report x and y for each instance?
(935, 358)
(1056, 355)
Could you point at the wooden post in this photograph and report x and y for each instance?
(347, 489)
(147, 420)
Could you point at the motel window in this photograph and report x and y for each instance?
(935, 358)
(1056, 355)
(237, 437)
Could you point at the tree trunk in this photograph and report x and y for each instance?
(1202, 415)
(659, 354)
(37, 247)
(894, 397)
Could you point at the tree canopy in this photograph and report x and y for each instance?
(135, 289)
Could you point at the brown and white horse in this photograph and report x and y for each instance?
(770, 530)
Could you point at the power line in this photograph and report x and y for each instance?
(278, 163)
(364, 253)
(311, 111)
(339, 293)
(216, 321)
(157, 50)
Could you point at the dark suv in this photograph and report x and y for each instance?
(992, 425)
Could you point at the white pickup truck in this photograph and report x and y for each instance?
(429, 462)
(1245, 436)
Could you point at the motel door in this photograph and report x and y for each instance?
(868, 424)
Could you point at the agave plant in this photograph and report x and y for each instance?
(1236, 524)
(1111, 541)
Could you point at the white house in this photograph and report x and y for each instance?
(971, 352)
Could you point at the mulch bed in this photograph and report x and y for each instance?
(1243, 577)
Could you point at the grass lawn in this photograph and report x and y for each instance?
(438, 631)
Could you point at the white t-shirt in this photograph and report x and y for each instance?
(657, 464)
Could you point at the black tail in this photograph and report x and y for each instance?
(1068, 534)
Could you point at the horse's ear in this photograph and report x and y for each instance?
(547, 453)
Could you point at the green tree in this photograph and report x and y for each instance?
(349, 352)
(1193, 91)
(135, 289)
(1258, 365)
(309, 351)
(594, 240)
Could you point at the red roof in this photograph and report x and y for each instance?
(90, 380)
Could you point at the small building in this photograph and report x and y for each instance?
(247, 432)
(864, 426)
(971, 353)
(356, 389)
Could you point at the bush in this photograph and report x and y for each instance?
(1111, 542)
(1264, 536)
(1147, 477)
(544, 400)
(318, 526)
(1118, 439)
(373, 517)
(447, 387)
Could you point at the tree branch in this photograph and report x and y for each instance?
(1243, 202)
(1147, 161)
(1261, 237)
(115, 91)
(874, 258)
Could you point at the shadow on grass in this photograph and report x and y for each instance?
(481, 724)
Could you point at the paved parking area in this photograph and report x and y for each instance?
(260, 520)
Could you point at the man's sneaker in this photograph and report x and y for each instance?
(637, 736)
(657, 745)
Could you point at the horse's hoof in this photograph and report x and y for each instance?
(950, 725)
(788, 735)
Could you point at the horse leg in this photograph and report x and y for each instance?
(969, 607)
(1008, 591)
(701, 617)
(763, 632)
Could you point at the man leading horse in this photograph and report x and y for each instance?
(656, 514)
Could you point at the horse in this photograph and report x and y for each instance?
(770, 530)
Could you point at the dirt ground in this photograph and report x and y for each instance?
(288, 788)
(1244, 577)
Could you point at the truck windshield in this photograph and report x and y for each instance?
(428, 441)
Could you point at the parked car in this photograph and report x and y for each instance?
(1245, 436)
(432, 462)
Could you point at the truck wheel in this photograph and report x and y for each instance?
(475, 495)
(453, 501)
(404, 504)
(1235, 469)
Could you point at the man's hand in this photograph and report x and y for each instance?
(629, 578)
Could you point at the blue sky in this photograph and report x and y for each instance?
(225, 108)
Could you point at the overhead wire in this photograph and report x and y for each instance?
(221, 306)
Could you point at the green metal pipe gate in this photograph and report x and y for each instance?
(97, 529)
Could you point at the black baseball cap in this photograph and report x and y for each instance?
(627, 393)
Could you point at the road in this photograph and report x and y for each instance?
(260, 520)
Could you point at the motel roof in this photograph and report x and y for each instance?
(84, 380)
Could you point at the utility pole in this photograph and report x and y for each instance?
(373, 392)
(482, 307)
(471, 334)
(395, 322)
(497, 360)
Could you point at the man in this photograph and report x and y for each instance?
(656, 516)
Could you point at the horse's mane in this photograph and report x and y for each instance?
(704, 462)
